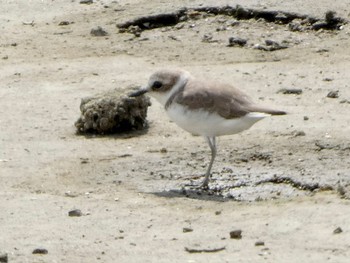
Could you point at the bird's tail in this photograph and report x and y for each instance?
(267, 110)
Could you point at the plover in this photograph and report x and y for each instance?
(205, 108)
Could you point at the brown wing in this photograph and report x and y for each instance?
(224, 99)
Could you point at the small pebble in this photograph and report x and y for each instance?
(327, 79)
(64, 23)
(290, 91)
(281, 17)
(98, 32)
(299, 133)
(338, 230)
(319, 25)
(42, 251)
(333, 94)
(236, 234)
(208, 38)
(259, 243)
(75, 212)
(87, 2)
(4, 258)
(236, 41)
(187, 229)
(295, 26)
(306, 118)
(322, 50)
(345, 101)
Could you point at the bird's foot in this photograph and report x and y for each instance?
(204, 185)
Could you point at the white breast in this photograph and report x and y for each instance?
(200, 122)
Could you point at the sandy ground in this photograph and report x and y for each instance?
(131, 188)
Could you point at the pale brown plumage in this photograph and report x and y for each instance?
(226, 101)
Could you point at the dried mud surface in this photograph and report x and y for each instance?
(284, 185)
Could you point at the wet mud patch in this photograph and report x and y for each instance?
(276, 187)
(268, 189)
(233, 26)
(329, 22)
(256, 175)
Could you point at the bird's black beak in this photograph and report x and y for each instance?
(139, 92)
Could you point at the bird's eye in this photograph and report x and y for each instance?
(157, 85)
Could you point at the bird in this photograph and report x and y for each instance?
(208, 108)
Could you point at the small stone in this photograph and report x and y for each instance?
(86, 2)
(194, 14)
(84, 160)
(163, 150)
(75, 212)
(136, 30)
(327, 79)
(322, 50)
(179, 26)
(236, 41)
(64, 23)
(274, 45)
(344, 101)
(290, 91)
(221, 28)
(208, 38)
(217, 213)
(270, 45)
(270, 42)
(3, 258)
(330, 16)
(334, 22)
(298, 133)
(172, 37)
(341, 191)
(259, 47)
(98, 32)
(306, 118)
(333, 94)
(42, 251)
(236, 234)
(233, 23)
(259, 243)
(242, 13)
(221, 20)
(319, 25)
(187, 229)
(338, 230)
(280, 17)
(295, 26)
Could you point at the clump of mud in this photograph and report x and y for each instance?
(113, 112)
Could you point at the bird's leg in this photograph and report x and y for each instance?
(212, 144)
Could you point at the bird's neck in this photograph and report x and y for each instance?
(177, 88)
